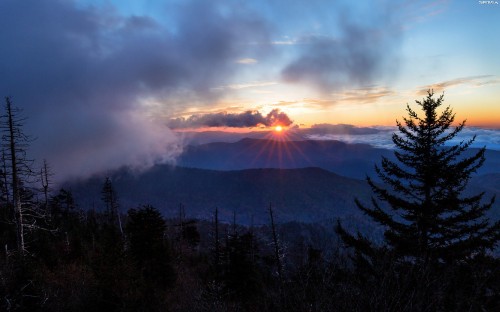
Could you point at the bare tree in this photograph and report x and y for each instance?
(277, 247)
(45, 178)
(4, 176)
(17, 171)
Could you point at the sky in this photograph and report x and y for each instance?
(108, 82)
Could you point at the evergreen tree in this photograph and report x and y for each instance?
(110, 199)
(63, 202)
(148, 247)
(242, 276)
(428, 218)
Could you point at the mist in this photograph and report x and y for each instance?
(85, 77)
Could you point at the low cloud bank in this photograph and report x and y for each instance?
(321, 129)
(232, 120)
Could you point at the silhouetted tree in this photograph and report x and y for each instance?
(63, 203)
(433, 230)
(429, 216)
(276, 246)
(148, 247)
(110, 198)
(5, 196)
(65, 217)
(45, 179)
(217, 246)
(190, 233)
(242, 276)
(18, 170)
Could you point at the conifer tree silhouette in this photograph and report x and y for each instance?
(428, 218)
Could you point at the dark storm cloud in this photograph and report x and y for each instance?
(361, 51)
(241, 120)
(82, 74)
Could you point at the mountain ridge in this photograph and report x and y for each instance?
(307, 194)
(355, 160)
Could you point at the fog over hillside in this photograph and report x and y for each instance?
(378, 136)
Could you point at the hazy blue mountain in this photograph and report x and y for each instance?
(487, 182)
(308, 194)
(204, 137)
(306, 181)
(351, 160)
(305, 195)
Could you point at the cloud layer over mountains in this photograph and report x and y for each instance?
(97, 84)
(83, 75)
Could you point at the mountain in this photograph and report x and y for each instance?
(306, 180)
(351, 160)
(487, 182)
(318, 130)
(204, 137)
(305, 195)
(308, 194)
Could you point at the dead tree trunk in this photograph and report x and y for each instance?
(45, 180)
(276, 244)
(217, 246)
(16, 196)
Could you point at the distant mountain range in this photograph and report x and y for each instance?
(351, 160)
(308, 194)
(308, 181)
(305, 195)
(203, 137)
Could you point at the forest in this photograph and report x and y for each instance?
(438, 251)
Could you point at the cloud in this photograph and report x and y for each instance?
(476, 81)
(233, 120)
(422, 11)
(484, 137)
(284, 42)
(247, 85)
(382, 136)
(246, 61)
(361, 51)
(82, 75)
(344, 129)
(364, 95)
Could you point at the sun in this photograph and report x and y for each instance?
(278, 128)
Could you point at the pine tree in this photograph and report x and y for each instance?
(427, 216)
(148, 246)
(110, 199)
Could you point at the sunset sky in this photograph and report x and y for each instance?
(104, 81)
(354, 62)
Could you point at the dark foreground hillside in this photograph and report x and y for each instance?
(89, 257)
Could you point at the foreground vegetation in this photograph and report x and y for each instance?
(86, 264)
